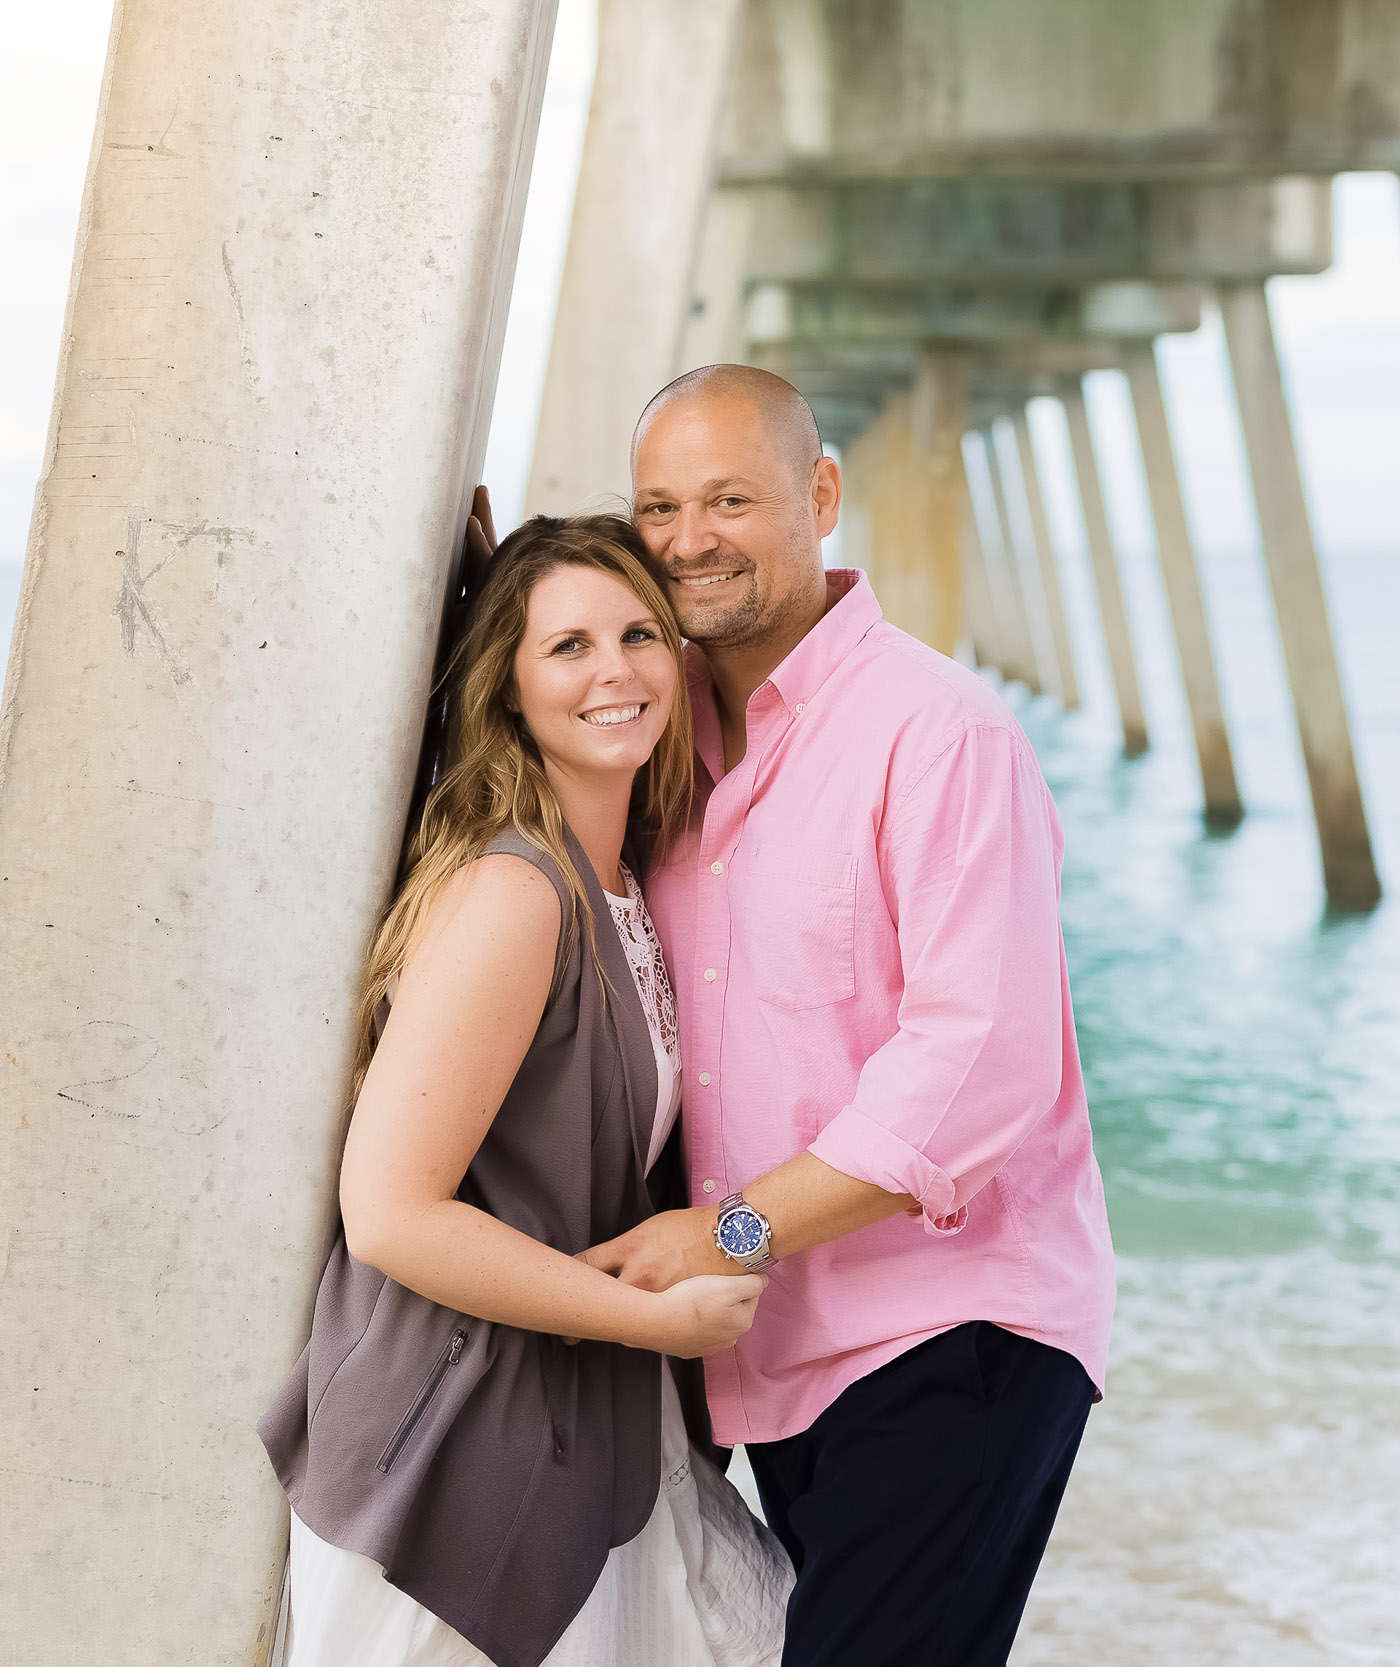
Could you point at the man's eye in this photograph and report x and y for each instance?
(732, 503)
(655, 510)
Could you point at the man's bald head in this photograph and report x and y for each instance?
(786, 416)
(733, 496)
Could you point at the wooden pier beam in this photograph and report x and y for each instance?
(1104, 563)
(1067, 682)
(1348, 865)
(1183, 587)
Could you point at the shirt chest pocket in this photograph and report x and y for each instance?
(799, 927)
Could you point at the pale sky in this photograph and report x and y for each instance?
(1339, 334)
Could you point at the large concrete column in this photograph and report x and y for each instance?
(1104, 563)
(1013, 616)
(1299, 600)
(1067, 683)
(713, 330)
(1183, 587)
(291, 281)
(643, 186)
(937, 414)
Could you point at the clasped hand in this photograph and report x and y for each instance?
(707, 1302)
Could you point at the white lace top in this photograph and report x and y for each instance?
(643, 950)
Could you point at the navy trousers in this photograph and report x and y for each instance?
(917, 1507)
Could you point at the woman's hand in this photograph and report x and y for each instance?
(704, 1315)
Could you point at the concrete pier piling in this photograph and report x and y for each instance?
(1300, 602)
(290, 288)
(1104, 562)
(643, 188)
(1185, 603)
(1066, 680)
(1013, 615)
(937, 414)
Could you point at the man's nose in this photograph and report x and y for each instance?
(691, 534)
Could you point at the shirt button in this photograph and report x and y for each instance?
(704, 1079)
(716, 868)
(707, 1186)
(801, 706)
(709, 975)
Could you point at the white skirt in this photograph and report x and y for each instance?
(702, 1585)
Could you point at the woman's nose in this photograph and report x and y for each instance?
(614, 666)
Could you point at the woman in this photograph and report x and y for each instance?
(467, 1487)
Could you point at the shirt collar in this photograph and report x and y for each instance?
(851, 611)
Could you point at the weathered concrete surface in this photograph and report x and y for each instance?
(290, 287)
(910, 314)
(1185, 603)
(1035, 232)
(1104, 563)
(643, 186)
(1064, 88)
(1300, 602)
(713, 332)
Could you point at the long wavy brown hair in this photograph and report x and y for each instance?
(494, 777)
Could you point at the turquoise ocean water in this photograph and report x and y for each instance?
(1238, 1496)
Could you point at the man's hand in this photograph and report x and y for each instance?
(481, 529)
(661, 1251)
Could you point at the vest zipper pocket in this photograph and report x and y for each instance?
(423, 1400)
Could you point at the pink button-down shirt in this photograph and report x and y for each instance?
(863, 932)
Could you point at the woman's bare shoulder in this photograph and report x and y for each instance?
(498, 907)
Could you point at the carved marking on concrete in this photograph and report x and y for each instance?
(80, 1481)
(244, 345)
(134, 607)
(123, 1040)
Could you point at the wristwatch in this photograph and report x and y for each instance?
(743, 1235)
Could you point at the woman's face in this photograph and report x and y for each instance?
(594, 678)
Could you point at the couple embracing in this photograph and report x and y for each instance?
(801, 874)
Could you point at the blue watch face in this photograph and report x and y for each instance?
(741, 1231)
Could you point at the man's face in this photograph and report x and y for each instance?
(735, 525)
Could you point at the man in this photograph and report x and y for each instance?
(880, 1061)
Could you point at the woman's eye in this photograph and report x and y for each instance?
(566, 646)
(639, 633)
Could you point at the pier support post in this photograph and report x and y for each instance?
(938, 406)
(896, 535)
(981, 614)
(1183, 587)
(1104, 563)
(290, 286)
(644, 183)
(1018, 645)
(1067, 681)
(1300, 602)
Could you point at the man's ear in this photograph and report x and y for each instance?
(826, 494)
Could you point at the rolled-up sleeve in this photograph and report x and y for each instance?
(969, 864)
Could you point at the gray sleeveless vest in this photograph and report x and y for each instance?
(489, 1469)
